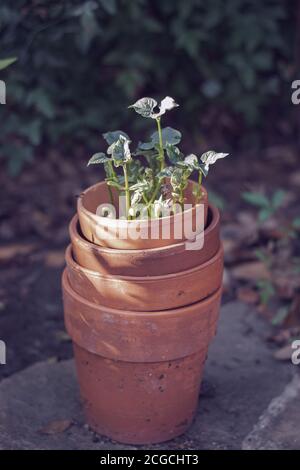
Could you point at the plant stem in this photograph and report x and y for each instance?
(161, 155)
(110, 195)
(181, 199)
(155, 192)
(199, 187)
(127, 193)
(112, 171)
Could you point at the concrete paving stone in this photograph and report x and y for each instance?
(278, 427)
(241, 378)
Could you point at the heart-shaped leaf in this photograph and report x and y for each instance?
(191, 163)
(146, 149)
(144, 107)
(256, 199)
(169, 136)
(176, 178)
(119, 151)
(140, 186)
(98, 158)
(113, 136)
(166, 104)
(166, 172)
(174, 154)
(210, 157)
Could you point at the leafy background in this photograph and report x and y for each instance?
(80, 63)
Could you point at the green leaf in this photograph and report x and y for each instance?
(263, 256)
(192, 161)
(177, 178)
(119, 151)
(210, 157)
(166, 172)
(98, 158)
(136, 198)
(144, 106)
(174, 154)
(166, 104)
(109, 6)
(280, 316)
(278, 198)
(266, 290)
(140, 186)
(256, 199)
(42, 102)
(169, 136)
(113, 136)
(18, 156)
(32, 131)
(296, 223)
(4, 63)
(217, 200)
(136, 169)
(145, 148)
(264, 214)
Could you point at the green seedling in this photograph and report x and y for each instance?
(145, 172)
(267, 206)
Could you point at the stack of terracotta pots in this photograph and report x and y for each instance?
(141, 314)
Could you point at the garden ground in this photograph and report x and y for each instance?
(239, 383)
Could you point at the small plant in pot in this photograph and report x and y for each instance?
(154, 188)
(142, 311)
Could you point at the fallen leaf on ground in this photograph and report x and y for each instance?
(229, 246)
(8, 252)
(247, 295)
(253, 271)
(284, 354)
(286, 283)
(55, 259)
(280, 338)
(56, 427)
(293, 315)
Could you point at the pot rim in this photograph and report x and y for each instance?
(75, 235)
(140, 314)
(72, 264)
(123, 222)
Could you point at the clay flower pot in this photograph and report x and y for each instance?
(149, 293)
(139, 372)
(151, 262)
(138, 234)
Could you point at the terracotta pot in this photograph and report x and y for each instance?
(138, 234)
(149, 293)
(139, 373)
(151, 262)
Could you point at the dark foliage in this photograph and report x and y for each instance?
(80, 63)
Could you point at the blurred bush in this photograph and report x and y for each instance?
(80, 63)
